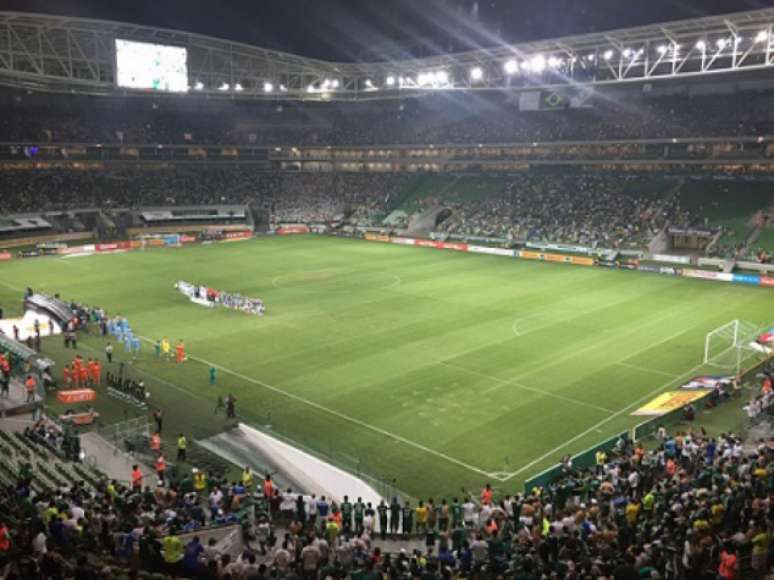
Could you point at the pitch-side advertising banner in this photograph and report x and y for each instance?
(708, 275)
(672, 259)
(76, 396)
(491, 251)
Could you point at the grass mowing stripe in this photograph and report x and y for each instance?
(335, 413)
(542, 392)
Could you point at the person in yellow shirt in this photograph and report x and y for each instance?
(421, 515)
(247, 478)
(632, 512)
(165, 347)
(600, 457)
(173, 550)
(200, 480)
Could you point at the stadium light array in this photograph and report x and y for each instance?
(537, 63)
(268, 87)
(511, 67)
(762, 36)
(476, 73)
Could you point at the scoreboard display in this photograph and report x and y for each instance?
(156, 67)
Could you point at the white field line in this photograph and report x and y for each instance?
(594, 345)
(645, 369)
(11, 287)
(338, 414)
(503, 382)
(603, 422)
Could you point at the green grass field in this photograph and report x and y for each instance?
(438, 369)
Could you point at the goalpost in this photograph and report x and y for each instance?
(728, 346)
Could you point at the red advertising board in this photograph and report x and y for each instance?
(76, 396)
(292, 229)
(767, 281)
(114, 246)
(5, 256)
(239, 235)
(454, 246)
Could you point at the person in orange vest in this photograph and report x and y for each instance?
(155, 442)
(136, 478)
(83, 375)
(161, 467)
(486, 495)
(66, 376)
(96, 372)
(30, 384)
(77, 364)
(268, 487)
(180, 351)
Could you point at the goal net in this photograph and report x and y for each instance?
(728, 346)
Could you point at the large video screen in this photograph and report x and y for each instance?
(142, 65)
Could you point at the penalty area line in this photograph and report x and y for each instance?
(603, 422)
(644, 369)
(337, 414)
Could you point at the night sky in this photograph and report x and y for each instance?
(352, 30)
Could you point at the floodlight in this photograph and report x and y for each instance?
(591, 57)
(627, 53)
(538, 63)
(335, 84)
(224, 87)
(442, 77)
(283, 89)
(553, 62)
(198, 85)
(701, 45)
(721, 43)
(238, 88)
(476, 73)
(390, 81)
(268, 87)
(608, 54)
(662, 49)
(762, 36)
(511, 67)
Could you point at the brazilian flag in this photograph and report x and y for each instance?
(553, 100)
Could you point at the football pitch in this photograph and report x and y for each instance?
(436, 369)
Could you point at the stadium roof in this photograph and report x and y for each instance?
(63, 54)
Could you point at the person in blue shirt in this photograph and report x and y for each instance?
(193, 551)
(322, 509)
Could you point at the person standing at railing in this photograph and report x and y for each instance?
(30, 385)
